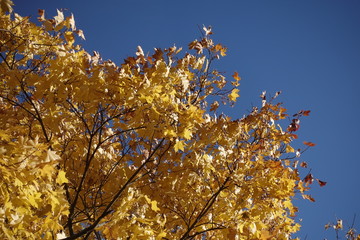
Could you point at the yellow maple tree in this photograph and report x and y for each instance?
(94, 150)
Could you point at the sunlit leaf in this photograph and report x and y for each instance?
(61, 178)
(234, 94)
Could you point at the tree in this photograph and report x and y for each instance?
(93, 150)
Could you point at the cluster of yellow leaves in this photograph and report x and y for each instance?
(132, 147)
(32, 203)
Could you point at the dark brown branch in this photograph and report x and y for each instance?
(205, 209)
(207, 230)
(106, 211)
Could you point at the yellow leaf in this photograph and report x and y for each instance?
(154, 206)
(252, 227)
(234, 94)
(265, 235)
(224, 194)
(179, 145)
(187, 134)
(223, 52)
(69, 36)
(32, 200)
(61, 178)
(51, 156)
(170, 133)
(289, 149)
(4, 135)
(17, 182)
(47, 171)
(161, 235)
(288, 204)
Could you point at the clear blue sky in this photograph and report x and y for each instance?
(308, 49)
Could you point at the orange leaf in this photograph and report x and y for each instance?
(294, 136)
(236, 76)
(310, 144)
(306, 113)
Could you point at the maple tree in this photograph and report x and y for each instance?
(93, 150)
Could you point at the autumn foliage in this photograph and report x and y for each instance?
(94, 150)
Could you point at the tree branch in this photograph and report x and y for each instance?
(115, 198)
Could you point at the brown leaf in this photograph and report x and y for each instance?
(41, 13)
(309, 179)
(158, 55)
(303, 164)
(293, 127)
(321, 183)
(214, 106)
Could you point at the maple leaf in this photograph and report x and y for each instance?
(179, 145)
(61, 178)
(59, 18)
(187, 134)
(51, 156)
(236, 76)
(234, 95)
(289, 149)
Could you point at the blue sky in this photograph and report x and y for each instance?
(309, 49)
